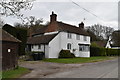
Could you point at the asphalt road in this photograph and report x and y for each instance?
(107, 69)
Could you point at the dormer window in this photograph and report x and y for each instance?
(69, 35)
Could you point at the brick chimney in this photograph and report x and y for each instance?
(81, 25)
(53, 17)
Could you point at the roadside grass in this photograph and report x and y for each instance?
(16, 73)
(79, 60)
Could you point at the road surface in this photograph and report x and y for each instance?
(107, 69)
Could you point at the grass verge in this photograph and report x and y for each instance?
(79, 60)
(15, 73)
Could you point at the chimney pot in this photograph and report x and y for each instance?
(53, 17)
(81, 25)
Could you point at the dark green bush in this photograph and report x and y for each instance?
(66, 54)
(97, 51)
(113, 52)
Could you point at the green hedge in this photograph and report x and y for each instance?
(66, 54)
(113, 52)
(98, 51)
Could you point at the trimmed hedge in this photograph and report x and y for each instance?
(113, 52)
(98, 51)
(66, 54)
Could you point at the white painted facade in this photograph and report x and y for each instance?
(108, 43)
(60, 42)
(36, 48)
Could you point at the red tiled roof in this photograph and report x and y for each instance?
(60, 26)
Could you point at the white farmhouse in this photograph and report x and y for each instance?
(57, 36)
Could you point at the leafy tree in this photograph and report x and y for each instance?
(22, 35)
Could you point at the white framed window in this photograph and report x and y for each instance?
(84, 47)
(77, 37)
(69, 35)
(39, 46)
(85, 38)
(69, 46)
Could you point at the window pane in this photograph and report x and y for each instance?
(83, 48)
(85, 38)
(68, 46)
(69, 35)
(77, 37)
(39, 46)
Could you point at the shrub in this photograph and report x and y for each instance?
(113, 52)
(66, 54)
(97, 51)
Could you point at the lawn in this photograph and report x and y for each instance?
(79, 60)
(15, 73)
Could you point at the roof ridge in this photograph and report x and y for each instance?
(67, 24)
(11, 35)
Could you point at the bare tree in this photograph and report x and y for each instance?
(103, 32)
(33, 21)
(18, 24)
(13, 7)
(1, 23)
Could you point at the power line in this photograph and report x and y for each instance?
(86, 10)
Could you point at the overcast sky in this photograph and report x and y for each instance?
(67, 12)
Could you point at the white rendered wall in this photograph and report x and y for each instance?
(60, 42)
(46, 51)
(84, 54)
(54, 48)
(108, 45)
(74, 42)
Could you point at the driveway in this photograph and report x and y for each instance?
(41, 69)
(105, 69)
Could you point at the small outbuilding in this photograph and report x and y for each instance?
(10, 50)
